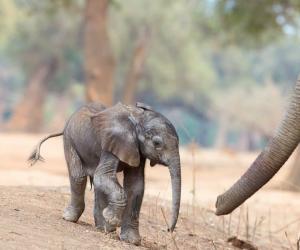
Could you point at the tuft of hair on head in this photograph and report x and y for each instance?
(35, 157)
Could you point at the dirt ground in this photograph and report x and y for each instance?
(32, 200)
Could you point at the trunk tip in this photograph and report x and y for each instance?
(171, 229)
(219, 212)
(221, 207)
(173, 223)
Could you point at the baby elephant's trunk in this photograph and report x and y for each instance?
(35, 155)
(175, 172)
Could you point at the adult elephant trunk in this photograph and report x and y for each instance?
(270, 160)
(175, 172)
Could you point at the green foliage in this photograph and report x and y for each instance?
(257, 22)
(193, 59)
(176, 66)
(196, 56)
(9, 16)
(47, 29)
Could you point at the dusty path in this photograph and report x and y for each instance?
(31, 219)
(32, 201)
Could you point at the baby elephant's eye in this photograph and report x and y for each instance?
(157, 142)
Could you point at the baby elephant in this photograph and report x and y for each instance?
(98, 142)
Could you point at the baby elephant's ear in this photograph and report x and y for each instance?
(116, 134)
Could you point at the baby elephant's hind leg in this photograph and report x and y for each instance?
(76, 207)
(77, 184)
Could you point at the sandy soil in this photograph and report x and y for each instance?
(32, 200)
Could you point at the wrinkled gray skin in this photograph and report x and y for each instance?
(99, 142)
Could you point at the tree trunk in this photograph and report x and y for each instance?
(136, 67)
(99, 61)
(293, 178)
(28, 114)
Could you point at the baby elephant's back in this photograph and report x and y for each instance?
(81, 119)
(79, 128)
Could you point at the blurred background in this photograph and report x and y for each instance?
(221, 70)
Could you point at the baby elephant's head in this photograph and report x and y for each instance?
(132, 132)
(157, 137)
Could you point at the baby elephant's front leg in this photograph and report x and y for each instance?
(134, 186)
(105, 181)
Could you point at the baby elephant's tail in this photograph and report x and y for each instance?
(35, 155)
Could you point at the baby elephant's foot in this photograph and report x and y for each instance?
(73, 213)
(113, 215)
(131, 235)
